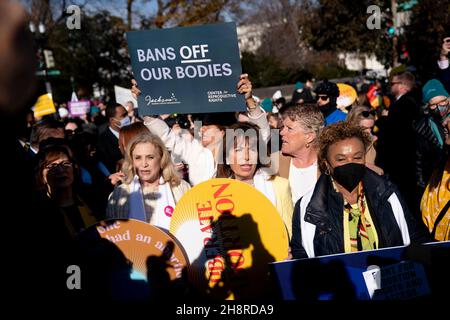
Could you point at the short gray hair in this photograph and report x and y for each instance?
(308, 116)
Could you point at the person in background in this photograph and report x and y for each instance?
(72, 126)
(351, 209)
(365, 118)
(435, 204)
(396, 145)
(243, 163)
(151, 187)
(431, 149)
(326, 95)
(274, 120)
(108, 141)
(302, 94)
(443, 64)
(57, 175)
(132, 111)
(45, 129)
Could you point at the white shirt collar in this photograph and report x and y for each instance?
(114, 132)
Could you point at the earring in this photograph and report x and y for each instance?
(307, 145)
(327, 171)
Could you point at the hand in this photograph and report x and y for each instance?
(116, 177)
(244, 86)
(148, 119)
(135, 92)
(445, 49)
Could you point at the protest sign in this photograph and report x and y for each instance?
(187, 69)
(228, 228)
(123, 95)
(44, 105)
(79, 108)
(347, 95)
(139, 240)
(396, 273)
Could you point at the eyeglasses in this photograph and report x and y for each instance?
(441, 104)
(53, 166)
(367, 114)
(323, 98)
(395, 82)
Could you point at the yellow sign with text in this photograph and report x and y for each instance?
(44, 105)
(230, 232)
(138, 241)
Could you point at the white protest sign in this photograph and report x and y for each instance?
(123, 95)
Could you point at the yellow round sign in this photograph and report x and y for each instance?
(230, 232)
(347, 95)
(138, 241)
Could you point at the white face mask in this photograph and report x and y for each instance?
(124, 122)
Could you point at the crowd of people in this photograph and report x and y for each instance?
(343, 180)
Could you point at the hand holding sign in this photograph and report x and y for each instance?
(244, 86)
(134, 89)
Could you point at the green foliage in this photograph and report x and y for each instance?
(265, 71)
(340, 25)
(95, 54)
(430, 24)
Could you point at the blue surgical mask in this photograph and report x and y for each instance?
(124, 122)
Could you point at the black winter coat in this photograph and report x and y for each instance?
(325, 211)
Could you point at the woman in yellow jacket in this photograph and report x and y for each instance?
(242, 161)
(435, 204)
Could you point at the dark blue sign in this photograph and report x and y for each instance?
(399, 273)
(187, 69)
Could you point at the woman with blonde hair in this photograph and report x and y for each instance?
(151, 186)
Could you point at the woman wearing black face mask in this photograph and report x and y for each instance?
(351, 208)
(431, 151)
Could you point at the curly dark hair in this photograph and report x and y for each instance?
(337, 132)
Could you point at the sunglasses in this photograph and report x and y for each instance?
(367, 114)
(323, 98)
(53, 166)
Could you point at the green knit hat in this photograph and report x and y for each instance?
(266, 104)
(433, 88)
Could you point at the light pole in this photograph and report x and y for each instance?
(41, 39)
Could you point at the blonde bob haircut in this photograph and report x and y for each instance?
(167, 170)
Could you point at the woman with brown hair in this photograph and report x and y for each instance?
(243, 161)
(151, 186)
(57, 175)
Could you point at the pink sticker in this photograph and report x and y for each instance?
(168, 211)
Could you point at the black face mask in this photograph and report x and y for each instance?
(349, 175)
(328, 108)
(436, 114)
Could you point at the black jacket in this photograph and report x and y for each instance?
(396, 149)
(108, 150)
(429, 154)
(325, 211)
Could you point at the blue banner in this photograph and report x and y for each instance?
(187, 69)
(398, 273)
